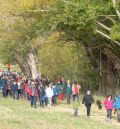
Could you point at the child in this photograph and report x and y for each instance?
(76, 106)
(108, 103)
(99, 104)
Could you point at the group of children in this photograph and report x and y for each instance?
(48, 93)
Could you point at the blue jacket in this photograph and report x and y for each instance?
(56, 90)
(4, 83)
(116, 103)
(15, 87)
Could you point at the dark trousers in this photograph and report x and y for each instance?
(15, 94)
(46, 101)
(4, 92)
(19, 93)
(54, 99)
(33, 101)
(88, 106)
(68, 98)
(75, 96)
(109, 113)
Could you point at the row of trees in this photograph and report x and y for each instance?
(78, 32)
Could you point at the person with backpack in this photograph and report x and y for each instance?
(75, 91)
(88, 100)
(61, 91)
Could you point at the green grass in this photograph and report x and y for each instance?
(19, 115)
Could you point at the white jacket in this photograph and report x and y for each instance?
(49, 92)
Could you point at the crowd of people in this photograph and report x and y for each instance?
(48, 93)
(44, 90)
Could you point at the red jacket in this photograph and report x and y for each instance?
(26, 88)
(36, 92)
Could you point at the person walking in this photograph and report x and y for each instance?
(49, 93)
(116, 105)
(41, 92)
(75, 91)
(88, 100)
(4, 86)
(15, 90)
(108, 103)
(69, 92)
(33, 94)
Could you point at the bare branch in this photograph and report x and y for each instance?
(117, 11)
(108, 37)
(103, 26)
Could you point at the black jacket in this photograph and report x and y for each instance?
(88, 99)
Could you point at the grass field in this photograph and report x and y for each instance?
(19, 115)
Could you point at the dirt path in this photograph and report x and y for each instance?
(95, 114)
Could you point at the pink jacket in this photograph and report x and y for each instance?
(108, 104)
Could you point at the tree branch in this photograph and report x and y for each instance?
(108, 37)
(117, 11)
(103, 26)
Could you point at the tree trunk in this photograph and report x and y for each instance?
(26, 70)
(24, 66)
(32, 63)
(107, 84)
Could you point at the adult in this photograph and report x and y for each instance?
(68, 92)
(56, 92)
(15, 90)
(4, 86)
(26, 90)
(108, 103)
(61, 91)
(19, 89)
(33, 94)
(49, 93)
(41, 92)
(75, 91)
(88, 100)
(116, 105)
